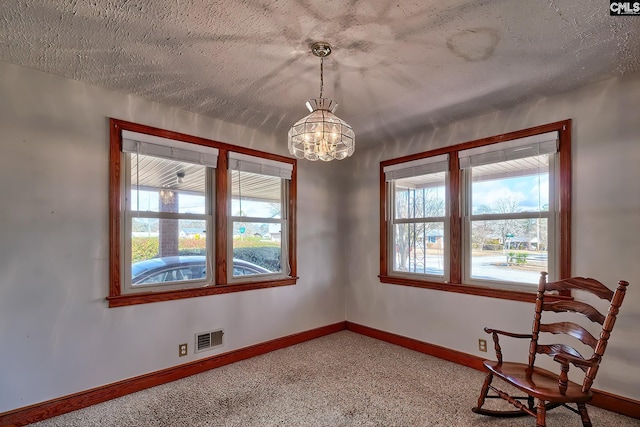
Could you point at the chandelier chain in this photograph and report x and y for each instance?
(321, 75)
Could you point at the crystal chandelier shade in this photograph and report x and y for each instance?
(321, 135)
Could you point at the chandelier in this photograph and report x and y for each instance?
(167, 195)
(321, 135)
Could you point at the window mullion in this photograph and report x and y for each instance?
(419, 220)
(455, 221)
(512, 215)
(257, 219)
(168, 215)
(222, 211)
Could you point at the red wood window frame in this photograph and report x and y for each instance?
(116, 298)
(455, 283)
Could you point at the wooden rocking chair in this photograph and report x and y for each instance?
(544, 389)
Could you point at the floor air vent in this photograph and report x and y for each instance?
(208, 340)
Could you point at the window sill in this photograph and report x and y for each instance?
(149, 297)
(469, 289)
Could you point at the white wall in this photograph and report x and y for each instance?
(605, 227)
(57, 335)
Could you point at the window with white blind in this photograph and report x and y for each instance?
(191, 216)
(510, 207)
(483, 217)
(417, 217)
(258, 216)
(168, 215)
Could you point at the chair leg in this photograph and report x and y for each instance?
(586, 421)
(540, 413)
(485, 390)
(531, 403)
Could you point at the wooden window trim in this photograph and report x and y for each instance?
(455, 234)
(116, 298)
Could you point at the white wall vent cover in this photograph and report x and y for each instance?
(208, 340)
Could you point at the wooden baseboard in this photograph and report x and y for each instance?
(601, 399)
(52, 408)
(421, 346)
(615, 403)
(62, 405)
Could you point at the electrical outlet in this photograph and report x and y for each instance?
(482, 345)
(182, 349)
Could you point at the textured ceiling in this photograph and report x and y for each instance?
(396, 66)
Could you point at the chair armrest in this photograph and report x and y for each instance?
(508, 334)
(564, 360)
(496, 340)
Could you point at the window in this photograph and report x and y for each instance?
(418, 222)
(510, 209)
(167, 215)
(258, 216)
(485, 220)
(184, 211)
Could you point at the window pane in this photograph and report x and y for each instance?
(419, 248)
(256, 195)
(420, 196)
(512, 186)
(257, 248)
(168, 250)
(509, 250)
(161, 185)
(191, 203)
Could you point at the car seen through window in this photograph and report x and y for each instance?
(182, 268)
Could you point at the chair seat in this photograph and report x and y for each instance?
(542, 384)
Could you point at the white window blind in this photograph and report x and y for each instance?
(417, 167)
(246, 163)
(151, 145)
(535, 145)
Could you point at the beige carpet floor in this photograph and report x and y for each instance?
(344, 379)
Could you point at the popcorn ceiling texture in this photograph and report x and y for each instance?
(344, 379)
(397, 66)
